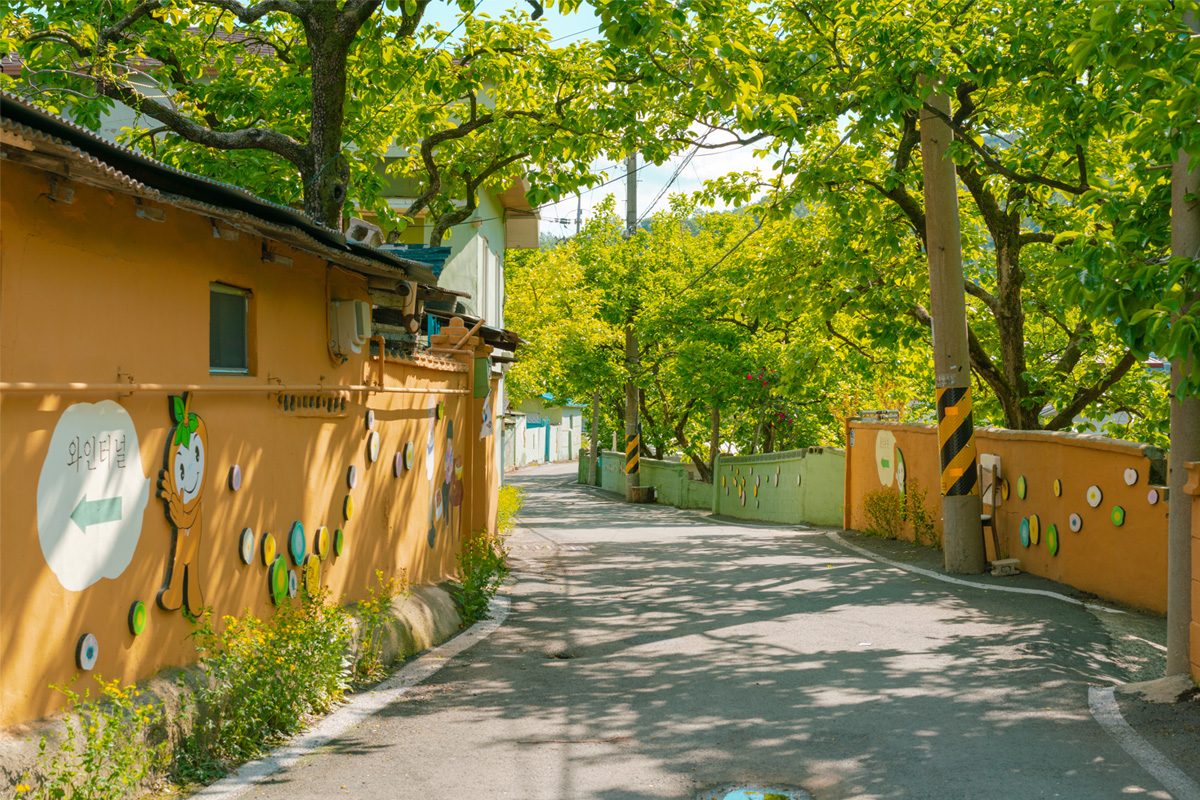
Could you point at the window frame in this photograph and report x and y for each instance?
(219, 287)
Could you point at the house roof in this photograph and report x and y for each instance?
(434, 257)
(549, 398)
(113, 166)
(499, 338)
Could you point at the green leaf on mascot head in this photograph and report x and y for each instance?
(177, 409)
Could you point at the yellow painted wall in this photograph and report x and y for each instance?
(1127, 563)
(90, 291)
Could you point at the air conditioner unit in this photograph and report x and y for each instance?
(412, 317)
(349, 325)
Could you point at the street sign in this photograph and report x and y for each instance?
(91, 494)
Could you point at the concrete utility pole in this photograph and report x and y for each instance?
(962, 538)
(1185, 426)
(593, 464)
(633, 439)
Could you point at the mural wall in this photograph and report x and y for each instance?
(124, 510)
(1085, 510)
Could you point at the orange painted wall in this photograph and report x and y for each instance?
(90, 290)
(1126, 563)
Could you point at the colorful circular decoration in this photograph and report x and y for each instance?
(1035, 529)
(296, 544)
(743, 498)
(312, 574)
(339, 542)
(87, 650)
(137, 617)
(1152, 497)
(758, 503)
(408, 455)
(752, 470)
(1076, 522)
(441, 409)
(1025, 532)
(722, 480)
(757, 481)
(1118, 515)
(352, 476)
(268, 549)
(1022, 487)
(247, 545)
(348, 507)
(756, 490)
(235, 477)
(797, 480)
(373, 446)
(1052, 539)
(726, 490)
(776, 479)
(1094, 496)
(777, 470)
(398, 464)
(321, 544)
(1004, 488)
(277, 580)
(1057, 488)
(370, 417)
(293, 583)
(1131, 477)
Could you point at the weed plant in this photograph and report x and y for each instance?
(263, 681)
(105, 753)
(884, 509)
(374, 613)
(483, 561)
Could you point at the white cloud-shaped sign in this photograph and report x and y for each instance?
(91, 495)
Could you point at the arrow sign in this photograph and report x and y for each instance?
(96, 512)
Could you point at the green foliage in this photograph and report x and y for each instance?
(262, 680)
(107, 751)
(483, 561)
(374, 613)
(919, 515)
(885, 510)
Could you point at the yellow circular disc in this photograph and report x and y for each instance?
(268, 549)
(1057, 488)
(1035, 529)
(1004, 488)
(312, 573)
(322, 544)
(348, 507)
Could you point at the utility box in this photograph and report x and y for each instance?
(349, 326)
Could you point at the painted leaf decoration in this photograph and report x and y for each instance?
(177, 408)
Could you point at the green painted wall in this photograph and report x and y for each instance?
(793, 486)
(800, 486)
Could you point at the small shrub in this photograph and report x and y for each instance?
(922, 519)
(105, 753)
(483, 561)
(263, 680)
(374, 613)
(885, 512)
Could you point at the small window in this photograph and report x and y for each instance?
(228, 343)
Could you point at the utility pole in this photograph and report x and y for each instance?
(1185, 425)
(594, 462)
(633, 439)
(962, 537)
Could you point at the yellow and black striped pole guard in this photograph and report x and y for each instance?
(956, 436)
(633, 446)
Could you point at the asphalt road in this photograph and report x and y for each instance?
(653, 653)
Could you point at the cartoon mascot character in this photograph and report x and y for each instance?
(180, 486)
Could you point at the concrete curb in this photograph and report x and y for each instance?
(419, 621)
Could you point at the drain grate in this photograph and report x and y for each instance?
(753, 791)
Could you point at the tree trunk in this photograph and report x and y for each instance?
(326, 174)
(595, 459)
(714, 442)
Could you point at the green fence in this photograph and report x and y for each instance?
(800, 486)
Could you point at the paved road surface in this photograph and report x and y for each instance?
(652, 653)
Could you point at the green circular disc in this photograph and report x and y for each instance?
(1021, 487)
(137, 617)
(1118, 515)
(1052, 539)
(297, 547)
(441, 410)
(339, 542)
(277, 581)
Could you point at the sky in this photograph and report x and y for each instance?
(558, 219)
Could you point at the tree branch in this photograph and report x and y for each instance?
(257, 11)
(1084, 396)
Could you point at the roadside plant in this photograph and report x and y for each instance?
(884, 509)
(373, 613)
(263, 680)
(106, 752)
(483, 561)
(922, 519)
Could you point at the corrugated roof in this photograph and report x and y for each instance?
(207, 194)
(434, 257)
